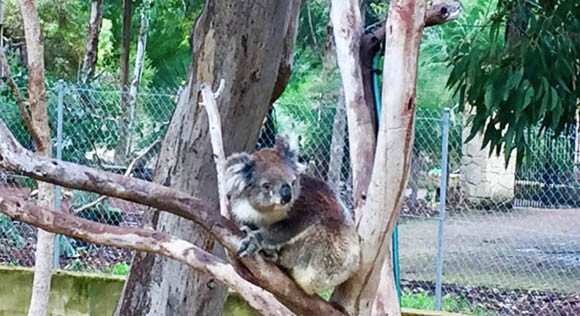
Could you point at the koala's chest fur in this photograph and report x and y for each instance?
(244, 212)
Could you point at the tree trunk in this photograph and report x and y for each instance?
(245, 44)
(137, 72)
(121, 151)
(577, 146)
(2, 73)
(268, 131)
(347, 27)
(337, 145)
(37, 114)
(90, 60)
(371, 290)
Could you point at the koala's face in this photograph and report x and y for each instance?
(274, 184)
(267, 180)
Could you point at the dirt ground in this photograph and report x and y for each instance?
(518, 249)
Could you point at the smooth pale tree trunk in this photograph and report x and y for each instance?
(91, 50)
(346, 21)
(372, 291)
(337, 144)
(245, 43)
(137, 72)
(121, 149)
(37, 115)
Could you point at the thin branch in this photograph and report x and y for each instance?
(215, 132)
(22, 104)
(312, 32)
(440, 12)
(142, 240)
(127, 173)
(14, 157)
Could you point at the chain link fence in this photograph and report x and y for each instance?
(88, 131)
(508, 242)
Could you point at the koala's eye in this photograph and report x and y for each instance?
(266, 186)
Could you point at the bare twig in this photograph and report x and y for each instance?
(14, 157)
(143, 240)
(127, 173)
(217, 144)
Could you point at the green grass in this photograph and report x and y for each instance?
(455, 304)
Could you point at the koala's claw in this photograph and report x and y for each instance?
(247, 229)
(249, 245)
(270, 254)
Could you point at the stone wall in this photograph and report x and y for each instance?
(484, 177)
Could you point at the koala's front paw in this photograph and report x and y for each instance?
(249, 244)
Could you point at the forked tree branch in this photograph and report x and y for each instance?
(14, 157)
(373, 38)
(142, 240)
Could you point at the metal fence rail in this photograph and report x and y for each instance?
(518, 255)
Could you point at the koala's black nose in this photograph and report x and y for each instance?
(285, 194)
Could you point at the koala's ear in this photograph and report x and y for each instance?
(239, 172)
(289, 153)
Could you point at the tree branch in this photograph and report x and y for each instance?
(441, 12)
(15, 158)
(363, 293)
(142, 240)
(347, 27)
(22, 105)
(215, 132)
(127, 173)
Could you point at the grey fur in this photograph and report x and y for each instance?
(312, 236)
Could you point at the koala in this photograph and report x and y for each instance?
(291, 218)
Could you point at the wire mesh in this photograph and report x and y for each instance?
(92, 127)
(511, 242)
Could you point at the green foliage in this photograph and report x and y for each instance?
(424, 301)
(64, 26)
(9, 236)
(306, 110)
(120, 268)
(435, 51)
(528, 80)
(168, 48)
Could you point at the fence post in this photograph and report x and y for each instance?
(442, 202)
(60, 88)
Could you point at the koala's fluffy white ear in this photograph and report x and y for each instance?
(289, 153)
(239, 172)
